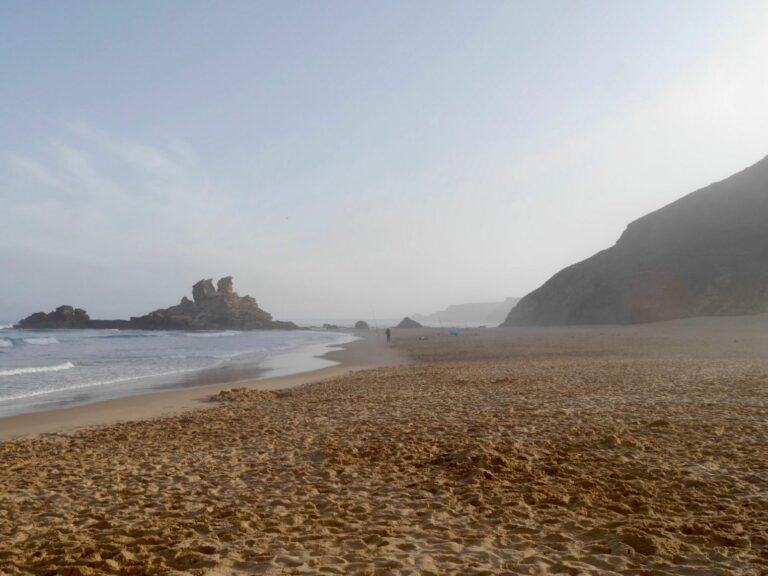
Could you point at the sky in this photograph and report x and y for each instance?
(346, 159)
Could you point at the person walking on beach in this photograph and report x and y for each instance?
(389, 335)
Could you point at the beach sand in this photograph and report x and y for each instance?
(639, 450)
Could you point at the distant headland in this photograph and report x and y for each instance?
(211, 308)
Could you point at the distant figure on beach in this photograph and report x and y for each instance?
(389, 335)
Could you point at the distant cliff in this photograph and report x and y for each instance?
(704, 255)
(218, 308)
(477, 313)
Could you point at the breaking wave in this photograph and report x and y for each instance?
(213, 334)
(41, 341)
(36, 369)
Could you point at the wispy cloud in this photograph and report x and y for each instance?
(166, 162)
(30, 170)
(115, 192)
(144, 215)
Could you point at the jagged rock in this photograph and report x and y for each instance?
(408, 323)
(361, 325)
(704, 255)
(225, 285)
(203, 290)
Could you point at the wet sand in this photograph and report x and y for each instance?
(637, 451)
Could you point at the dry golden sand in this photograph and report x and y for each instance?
(594, 462)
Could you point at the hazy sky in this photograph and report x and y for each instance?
(354, 158)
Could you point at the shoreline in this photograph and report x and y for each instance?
(369, 351)
(253, 360)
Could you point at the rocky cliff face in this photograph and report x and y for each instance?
(211, 309)
(703, 255)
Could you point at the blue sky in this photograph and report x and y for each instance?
(354, 158)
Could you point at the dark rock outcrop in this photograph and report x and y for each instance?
(703, 255)
(361, 325)
(63, 317)
(211, 309)
(408, 323)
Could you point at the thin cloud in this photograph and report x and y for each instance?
(28, 169)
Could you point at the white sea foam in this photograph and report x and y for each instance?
(41, 341)
(36, 369)
(5, 326)
(214, 334)
(4, 343)
(98, 384)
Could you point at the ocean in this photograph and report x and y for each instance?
(47, 369)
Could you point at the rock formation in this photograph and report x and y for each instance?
(63, 317)
(212, 309)
(408, 323)
(704, 255)
(361, 325)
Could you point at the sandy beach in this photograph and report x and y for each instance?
(639, 450)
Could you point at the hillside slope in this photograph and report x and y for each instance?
(704, 255)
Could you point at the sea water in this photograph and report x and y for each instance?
(45, 369)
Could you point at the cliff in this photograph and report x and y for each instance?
(704, 255)
(473, 313)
